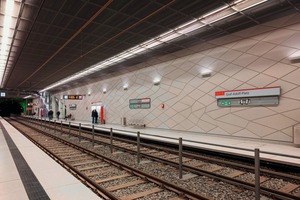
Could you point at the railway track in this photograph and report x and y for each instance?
(108, 178)
(235, 174)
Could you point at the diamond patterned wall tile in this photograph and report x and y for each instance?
(293, 77)
(279, 70)
(261, 59)
(234, 120)
(254, 113)
(245, 133)
(218, 78)
(245, 59)
(231, 69)
(261, 80)
(278, 36)
(260, 130)
(244, 45)
(245, 75)
(230, 55)
(293, 41)
(279, 121)
(279, 136)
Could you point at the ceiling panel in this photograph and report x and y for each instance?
(49, 44)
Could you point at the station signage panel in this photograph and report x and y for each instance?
(251, 101)
(254, 92)
(73, 97)
(249, 97)
(144, 103)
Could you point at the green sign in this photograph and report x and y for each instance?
(225, 103)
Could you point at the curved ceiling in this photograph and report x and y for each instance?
(55, 39)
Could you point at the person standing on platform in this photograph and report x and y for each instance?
(94, 116)
(57, 114)
(50, 114)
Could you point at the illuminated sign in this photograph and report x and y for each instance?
(2, 94)
(254, 92)
(73, 97)
(144, 103)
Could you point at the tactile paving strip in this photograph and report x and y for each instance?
(33, 188)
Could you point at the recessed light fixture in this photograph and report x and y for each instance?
(104, 91)
(206, 74)
(125, 87)
(156, 82)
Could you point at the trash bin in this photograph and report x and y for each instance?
(297, 136)
(123, 121)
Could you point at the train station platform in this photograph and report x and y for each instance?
(26, 172)
(274, 150)
(51, 181)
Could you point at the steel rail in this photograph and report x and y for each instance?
(181, 191)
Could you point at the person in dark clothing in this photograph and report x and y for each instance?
(50, 114)
(94, 116)
(57, 114)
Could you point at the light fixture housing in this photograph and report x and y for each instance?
(156, 82)
(104, 91)
(206, 74)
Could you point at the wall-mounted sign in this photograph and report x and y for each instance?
(73, 97)
(254, 92)
(251, 101)
(144, 103)
(72, 106)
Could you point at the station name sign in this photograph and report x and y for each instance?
(144, 103)
(254, 92)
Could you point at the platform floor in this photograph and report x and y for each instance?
(237, 145)
(16, 182)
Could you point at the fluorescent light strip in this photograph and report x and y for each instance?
(8, 23)
(185, 28)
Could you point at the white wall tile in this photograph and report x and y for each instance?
(261, 59)
(279, 70)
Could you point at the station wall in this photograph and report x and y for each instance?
(253, 58)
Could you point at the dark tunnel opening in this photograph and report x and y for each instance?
(10, 107)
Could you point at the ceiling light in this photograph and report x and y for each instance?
(244, 5)
(9, 23)
(125, 87)
(104, 91)
(218, 16)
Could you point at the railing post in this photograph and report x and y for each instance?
(79, 132)
(69, 129)
(180, 158)
(49, 124)
(111, 140)
(93, 131)
(61, 127)
(138, 147)
(257, 174)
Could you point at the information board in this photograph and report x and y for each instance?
(144, 103)
(73, 97)
(251, 101)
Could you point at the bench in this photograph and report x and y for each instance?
(137, 123)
